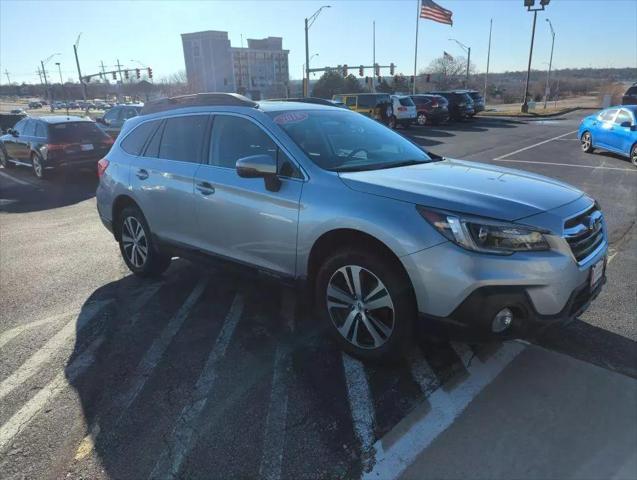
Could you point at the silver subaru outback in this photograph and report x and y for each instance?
(386, 235)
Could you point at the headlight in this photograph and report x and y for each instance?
(484, 235)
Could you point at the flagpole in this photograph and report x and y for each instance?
(416, 46)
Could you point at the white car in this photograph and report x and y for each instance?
(403, 111)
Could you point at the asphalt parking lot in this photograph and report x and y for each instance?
(209, 374)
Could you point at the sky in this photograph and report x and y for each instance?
(597, 33)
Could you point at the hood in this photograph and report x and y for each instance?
(466, 187)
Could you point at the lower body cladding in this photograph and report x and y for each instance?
(508, 296)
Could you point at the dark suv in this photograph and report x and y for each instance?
(51, 142)
(432, 109)
(114, 119)
(630, 97)
(478, 100)
(460, 104)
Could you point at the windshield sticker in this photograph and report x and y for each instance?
(290, 117)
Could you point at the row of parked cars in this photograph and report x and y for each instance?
(404, 110)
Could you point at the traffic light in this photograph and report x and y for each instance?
(345, 70)
(391, 68)
(138, 74)
(126, 74)
(377, 70)
(150, 72)
(114, 75)
(411, 79)
(361, 71)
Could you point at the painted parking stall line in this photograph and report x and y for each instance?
(534, 145)
(594, 167)
(43, 356)
(443, 408)
(16, 180)
(183, 436)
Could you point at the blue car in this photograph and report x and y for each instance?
(613, 129)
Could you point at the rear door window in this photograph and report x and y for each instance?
(350, 101)
(112, 115)
(366, 101)
(135, 141)
(19, 127)
(623, 116)
(406, 102)
(29, 129)
(40, 131)
(183, 137)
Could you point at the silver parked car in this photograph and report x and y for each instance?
(385, 234)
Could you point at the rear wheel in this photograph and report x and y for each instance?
(4, 159)
(142, 257)
(422, 119)
(37, 165)
(392, 122)
(633, 155)
(367, 303)
(587, 143)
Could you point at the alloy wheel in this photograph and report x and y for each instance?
(360, 307)
(633, 155)
(422, 119)
(134, 242)
(586, 141)
(37, 166)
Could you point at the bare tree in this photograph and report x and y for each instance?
(446, 72)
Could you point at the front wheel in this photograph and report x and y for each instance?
(4, 159)
(587, 143)
(367, 302)
(136, 245)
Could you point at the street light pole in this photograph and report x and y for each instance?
(308, 23)
(529, 4)
(66, 100)
(468, 50)
(486, 76)
(79, 72)
(548, 74)
(46, 82)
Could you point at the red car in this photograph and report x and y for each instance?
(432, 109)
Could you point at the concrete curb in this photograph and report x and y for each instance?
(536, 116)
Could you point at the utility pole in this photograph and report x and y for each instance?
(418, 7)
(121, 80)
(468, 63)
(374, 51)
(548, 74)
(46, 85)
(6, 72)
(103, 68)
(79, 72)
(66, 99)
(486, 76)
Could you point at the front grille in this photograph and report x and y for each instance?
(585, 233)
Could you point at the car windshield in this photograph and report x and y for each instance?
(76, 132)
(344, 141)
(406, 101)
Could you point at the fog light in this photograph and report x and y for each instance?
(502, 320)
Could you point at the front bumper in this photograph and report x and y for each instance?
(468, 288)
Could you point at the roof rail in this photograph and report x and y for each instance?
(198, 100)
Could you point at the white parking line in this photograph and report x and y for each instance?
(17, 180)
(361, 405)
(534, 145)
(8, 335)
(274, 439)
(442, 410)
(31, 408)
(422, 372)
(599, 167)
(181, 439)
(50, 348)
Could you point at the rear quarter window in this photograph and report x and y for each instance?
(406, 102)
(134, 142)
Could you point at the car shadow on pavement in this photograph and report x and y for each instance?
(59, 189)
(592, 344)
(152, 381)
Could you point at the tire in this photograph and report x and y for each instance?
(37, 166)
(421, 119)
(4, 159)
(137, 247)
(391, 123)
(633, 155)
(587, 142)
(382, 336)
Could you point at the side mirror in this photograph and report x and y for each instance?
(260, 166)
(13, 132)
(626, 124)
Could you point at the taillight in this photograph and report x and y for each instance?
(434, 105)
(102, 165)
(56, 147)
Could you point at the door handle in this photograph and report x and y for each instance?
(142, 174)
(205, 188)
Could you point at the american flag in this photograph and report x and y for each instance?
(433, 11)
